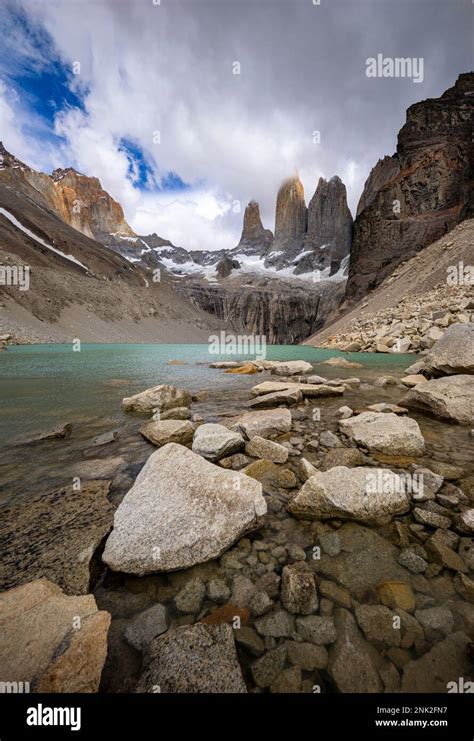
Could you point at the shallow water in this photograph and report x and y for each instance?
(45, 385)
(42, 386)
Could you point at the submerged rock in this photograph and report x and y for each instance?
(194, 659)
(351, 659)
(182, 510)
(56, 536)
(55, 642)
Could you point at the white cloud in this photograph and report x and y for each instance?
(168, 68)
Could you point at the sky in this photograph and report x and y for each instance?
(188, 109)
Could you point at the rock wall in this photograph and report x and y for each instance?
(284, 313)
(254, 236)
(419, 194)
(79, 200)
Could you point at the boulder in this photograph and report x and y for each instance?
(298, 590)
(258, 447)
(450, 398)
(55, 642)
(453, 353)
(175, 413)
(181, 510)
(351, 658)
(288, 397)
(413, 380)
(159, 397)
(351, 494)
(214, 441)
(147, 625)
(247, 369)
(263, 423)
(292, 368)
(341, 363)
(56, 536)
(193, 659)
(168, 431)
(446, 663)
(385, 433)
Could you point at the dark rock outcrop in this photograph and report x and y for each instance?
(290, 219)
(226, 266)
(285, 312)
(329, 231)
(254, 236)
(419, 194)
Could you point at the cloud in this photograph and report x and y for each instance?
(162, 76)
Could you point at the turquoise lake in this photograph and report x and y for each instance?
(45, 385)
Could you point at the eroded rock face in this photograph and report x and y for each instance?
(351, 494)
(329, 233)
(453, 353)
(421, 193)
(181, 510)
(451, 398)
(195, 658)
(40, 644)
(385, 432)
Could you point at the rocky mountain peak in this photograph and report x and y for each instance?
(253, 233)
(290, 216)
(8, 160)
(413, 198)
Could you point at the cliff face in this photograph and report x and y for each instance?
(311, 239)
(79, 200)
(419, 194)
(254, 237)
(329, 233)
(282, 311)
(290, 220)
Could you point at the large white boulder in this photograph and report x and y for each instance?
(453, 353)
(159, 397)
(264, 423)
(451, 398)
(385, 433)
(214, 441)
(292, 368)
(368, 495)
(181, 510)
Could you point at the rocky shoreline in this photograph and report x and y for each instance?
(307, 543)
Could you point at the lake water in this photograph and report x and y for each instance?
(45, 385)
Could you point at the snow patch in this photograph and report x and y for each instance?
(40, 241)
